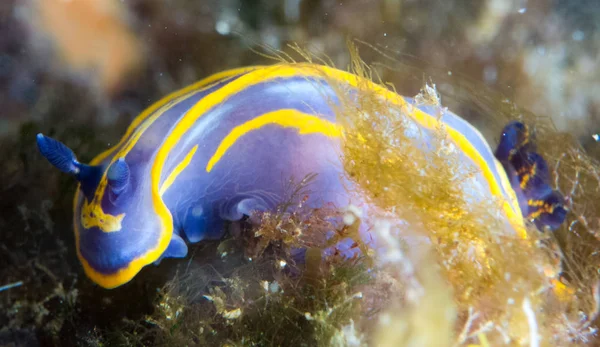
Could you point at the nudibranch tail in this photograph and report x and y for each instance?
(548, 212)
(539, 202)
(516, 136)
(177, 249)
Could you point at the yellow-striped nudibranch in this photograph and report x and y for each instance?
(227, 145)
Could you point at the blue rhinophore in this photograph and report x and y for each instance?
(59, 155)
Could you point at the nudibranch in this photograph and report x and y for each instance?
(226, 146)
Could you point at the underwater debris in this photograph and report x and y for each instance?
(218, 297)
(11, 285)
(266, 300)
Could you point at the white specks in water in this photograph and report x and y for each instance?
(274, 287)
(357, 295)
(384, 34)
(291, 10)
(578, 35)
(490, 74)
(271, 38)
(596, 137)
(352, 213)
(227, 22)
(541, 50)
(449, 73)
(223, 27)
(233, 314)
(385, 319)
(349, 219)
(522, 10)
(282, 264)
(351, 337)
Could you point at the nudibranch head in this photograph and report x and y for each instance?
(116, 229)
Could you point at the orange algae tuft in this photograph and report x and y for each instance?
(490, 270)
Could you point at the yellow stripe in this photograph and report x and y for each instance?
(185, 123)
(92, 214)
(507, 187)
(535, 203)
(431, 122)
(543, 207)
(126, 274)
(316, 71)
(209, 81)
(549, 209)
(134, 132)
(530, 173)
(471, 152)
(178, 169)
(287, 118)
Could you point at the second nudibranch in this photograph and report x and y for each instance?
(229, 145)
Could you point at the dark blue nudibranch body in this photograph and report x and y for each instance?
(224, 147)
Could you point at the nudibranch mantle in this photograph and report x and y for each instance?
(224, 147)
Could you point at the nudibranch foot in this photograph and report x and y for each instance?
(177, 249)
(206, 222)
(197, 224)
(242, 207)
